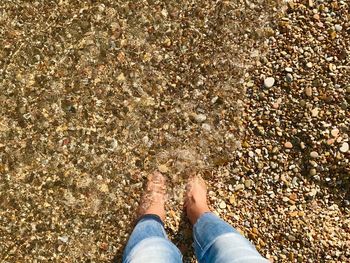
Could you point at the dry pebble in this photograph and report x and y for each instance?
(335, 133)
(222, 205)
(309, 65)
(308, 91)
(289, 78)
(313, 172)
(338, 28)
(269, 82)
(345, 147)
(313, 121)
(288, 145)
(314, 155)
(248, 183)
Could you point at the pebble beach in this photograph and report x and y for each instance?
(95, 95)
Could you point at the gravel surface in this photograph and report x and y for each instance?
(95, 94)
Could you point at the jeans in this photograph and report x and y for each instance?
(214, 241)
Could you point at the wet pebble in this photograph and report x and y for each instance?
(200, 117)
(206, 126)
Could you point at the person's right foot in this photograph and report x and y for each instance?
(196, 198)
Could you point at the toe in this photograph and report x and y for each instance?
(157, 177)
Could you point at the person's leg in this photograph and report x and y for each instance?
(148, 241)
(217, 241)
(214, 239)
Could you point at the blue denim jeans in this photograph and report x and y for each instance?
(215, 241)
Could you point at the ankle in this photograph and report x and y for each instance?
(195, 211)
(157, 212)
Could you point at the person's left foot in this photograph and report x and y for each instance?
(153, 200)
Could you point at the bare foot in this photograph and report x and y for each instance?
(196, 198)
(153, 200)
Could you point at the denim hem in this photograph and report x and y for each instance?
(175, 249)
(150, 216)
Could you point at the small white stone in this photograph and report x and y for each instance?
(213, 100)
(222, 205)
(63, 239)
(289, 70)
(345, 147)
(121, 77)
(164, 13)
(200, 117)
(114, 145)
(314, 112)
(314, 155)
(250, 84)
(309, 65)
(206, 127)
(335, 132)
(338, 28)
(239, 187)
(269, 82)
